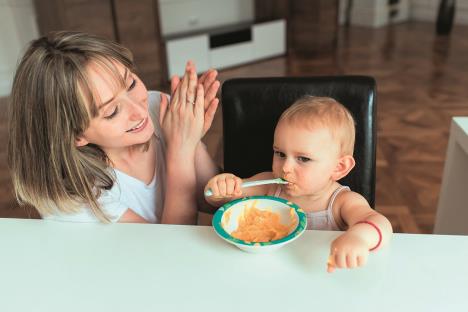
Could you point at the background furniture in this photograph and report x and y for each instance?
(452, 210)
(51, 266)
(135, 24)
(252, 106)
(445, 16)
(375, 13)
(226, 47)
(311, 27)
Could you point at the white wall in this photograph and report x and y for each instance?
(18, 26)
(374, 13)
(426, 10)
(181, 16)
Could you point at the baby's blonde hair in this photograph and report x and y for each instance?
(315, 111)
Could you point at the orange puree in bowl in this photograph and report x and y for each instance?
(256, 225)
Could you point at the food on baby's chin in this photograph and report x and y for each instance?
(255, 225)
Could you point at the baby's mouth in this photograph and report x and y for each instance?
(289, 184)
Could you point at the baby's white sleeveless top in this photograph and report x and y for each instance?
(322, 220)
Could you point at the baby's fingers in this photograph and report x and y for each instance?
(340, 260)
(336, 260)
(213, 187)
(351, 261)
(331, 264)
(222, 187)
(362, 260)
(238, 186)
(230, 186)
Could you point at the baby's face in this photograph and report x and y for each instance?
(306, 157)
(123, 119)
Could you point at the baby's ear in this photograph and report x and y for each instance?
(343, 167)
(80, 141)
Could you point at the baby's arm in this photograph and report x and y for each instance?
(226, 187)
(367, 230)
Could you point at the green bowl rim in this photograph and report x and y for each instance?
(301, 225)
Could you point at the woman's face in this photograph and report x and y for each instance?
(305, 157)
(123, 119)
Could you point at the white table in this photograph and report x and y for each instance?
(452, 210)
(51, 266)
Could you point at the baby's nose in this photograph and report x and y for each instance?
(287, 166)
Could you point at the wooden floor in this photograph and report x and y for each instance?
(421, 83)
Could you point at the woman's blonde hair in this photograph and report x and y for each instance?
(314, 111)
(51, 104)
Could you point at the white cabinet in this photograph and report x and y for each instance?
(234, 46)
(179, 50)
(269, 39)
(233, 54)
(182, 16)
(452, 210)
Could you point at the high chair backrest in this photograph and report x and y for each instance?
(252, 106)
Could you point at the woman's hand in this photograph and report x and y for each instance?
(183, 120)
(210, 86)
(348, 251)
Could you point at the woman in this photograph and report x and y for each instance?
(89, 143)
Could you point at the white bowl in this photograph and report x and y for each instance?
(225, 221)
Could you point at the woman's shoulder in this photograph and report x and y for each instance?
(110, 201)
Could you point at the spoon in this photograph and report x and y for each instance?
(255, 183)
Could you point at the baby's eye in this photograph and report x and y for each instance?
(132, 85)
(279, 154)
(303, 159)
(113, 113)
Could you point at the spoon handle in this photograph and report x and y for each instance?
(255, 183)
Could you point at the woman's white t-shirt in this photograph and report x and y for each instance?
(128, 192)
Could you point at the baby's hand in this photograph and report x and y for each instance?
(225, 186)
(348, 251)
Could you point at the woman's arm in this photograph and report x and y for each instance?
(131, 216)
(204, 165)
(182, 123)
(205, 168)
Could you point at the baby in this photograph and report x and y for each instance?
(313, 149)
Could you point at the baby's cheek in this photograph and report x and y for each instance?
(276, 169)
(304, 177)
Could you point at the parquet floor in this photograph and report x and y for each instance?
(421, 84)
